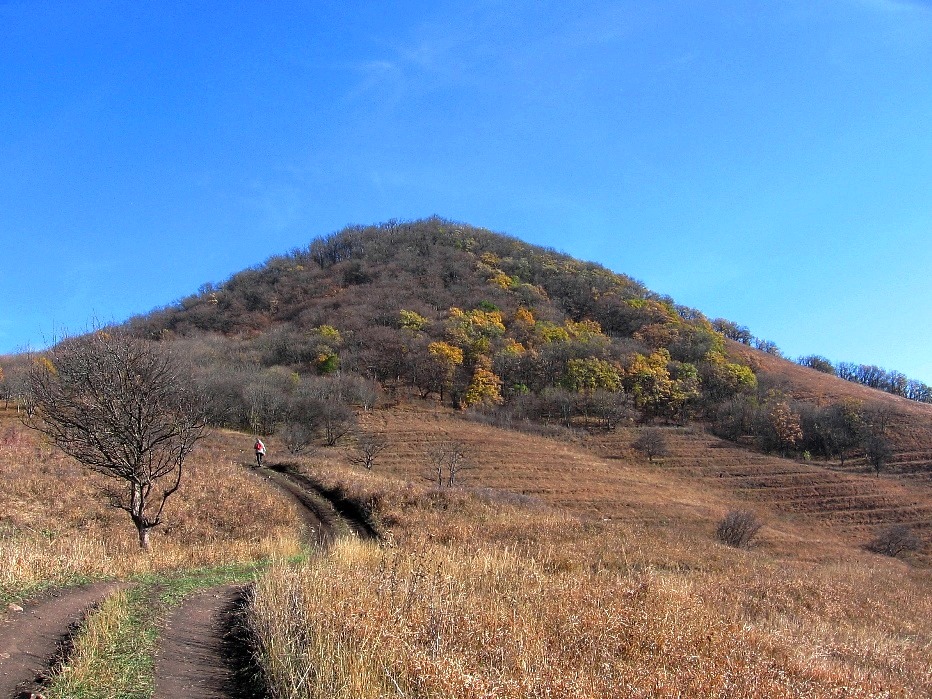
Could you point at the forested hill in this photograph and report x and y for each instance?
(484, 321)
(432, 302)
(362, 277)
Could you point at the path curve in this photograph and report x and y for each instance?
(204, 651)
(31, 639)
(201, 653)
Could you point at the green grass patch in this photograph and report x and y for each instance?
(112, 655)
(113, 652)
(21, 593)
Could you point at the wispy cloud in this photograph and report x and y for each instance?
(381, 77)
(489, 43)
(430, 57)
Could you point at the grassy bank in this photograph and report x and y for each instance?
(57, 529)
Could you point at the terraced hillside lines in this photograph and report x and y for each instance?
(703, 477)
(914, 465)
(555, 472)
(853, 502)
(32, 638)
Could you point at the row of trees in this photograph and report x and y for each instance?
(740, 333)
(872, 376)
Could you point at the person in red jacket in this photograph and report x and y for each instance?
(260, 451)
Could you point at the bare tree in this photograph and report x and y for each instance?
(894, 540)
(121, 407)
(447, 459)
(651, 442)
(336, 419)
(368, 446)
(265, 398)
(298, 438)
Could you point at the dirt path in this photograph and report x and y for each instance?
(335, 516)
(201, 654)
(30, 640)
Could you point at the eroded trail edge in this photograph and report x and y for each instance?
(204, 649)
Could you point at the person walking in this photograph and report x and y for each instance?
(260, 451)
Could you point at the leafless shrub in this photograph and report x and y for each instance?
(738, 528)
(298, 438)
(507, 421)
(446, 460)
(894, 540)
(651, 442)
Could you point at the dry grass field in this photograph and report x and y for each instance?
(565, 567)
(813, 510)
(576, 568)
(56, 526)
(478, 595)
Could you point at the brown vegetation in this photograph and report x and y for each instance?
(481, 594)
(55, 529)
(546, 557)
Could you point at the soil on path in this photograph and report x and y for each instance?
(32, 639)
(335, 515)
(201, 654)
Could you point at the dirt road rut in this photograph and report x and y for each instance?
(31, 639)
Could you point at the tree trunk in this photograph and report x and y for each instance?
(144, 537)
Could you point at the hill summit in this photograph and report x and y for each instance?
(472, 316)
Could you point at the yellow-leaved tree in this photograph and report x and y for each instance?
(485, 387)
(329, 340)
(473, 330)
(660, 386)
(592, 374)
(411, 320)
(444, 358)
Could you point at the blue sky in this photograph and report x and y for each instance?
(766, 162)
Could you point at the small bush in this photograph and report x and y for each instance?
(738, 528)
(894, 540)
(298, 438)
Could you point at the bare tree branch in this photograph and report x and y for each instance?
(121, 407)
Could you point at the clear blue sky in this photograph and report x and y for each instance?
(767, 162)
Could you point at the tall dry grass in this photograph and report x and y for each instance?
(476, 596)
(56, 526)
